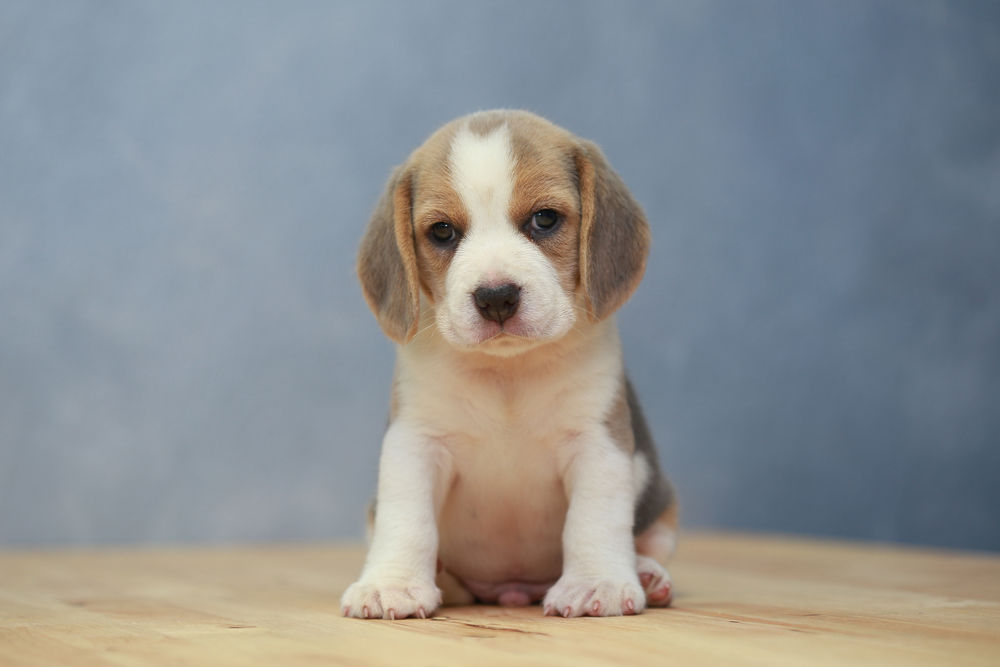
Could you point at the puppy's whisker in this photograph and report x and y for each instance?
(584, 310)
(423, 330)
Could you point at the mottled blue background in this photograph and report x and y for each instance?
(185, 354)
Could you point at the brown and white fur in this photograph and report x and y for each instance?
(517, 465)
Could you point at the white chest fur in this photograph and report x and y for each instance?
(506, 430)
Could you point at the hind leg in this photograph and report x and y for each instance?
(655, 581)
(654, 548)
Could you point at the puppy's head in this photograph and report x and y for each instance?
(511, 227)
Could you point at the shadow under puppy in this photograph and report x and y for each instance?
(517, 465)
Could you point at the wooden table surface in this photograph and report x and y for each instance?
(739, 600)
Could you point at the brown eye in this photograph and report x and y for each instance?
(543, 222)
(544, 219)
(443, 233)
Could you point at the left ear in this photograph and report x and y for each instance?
(387, 262)
(614, 234)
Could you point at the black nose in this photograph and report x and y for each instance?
(497, 303)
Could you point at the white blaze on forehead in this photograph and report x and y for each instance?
(493, 251)
(482, 173)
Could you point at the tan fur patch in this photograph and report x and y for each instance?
(619, 422)
(660, 539)
(484, 122)
(545, 178)
(435, 200)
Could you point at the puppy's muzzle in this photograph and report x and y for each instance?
(497, 303)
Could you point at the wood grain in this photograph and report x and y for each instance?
(740, 600)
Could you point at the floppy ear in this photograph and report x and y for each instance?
(387, 262)
(614, 234)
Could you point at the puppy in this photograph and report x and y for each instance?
(517, 466)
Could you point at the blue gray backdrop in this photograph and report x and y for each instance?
(185, 354)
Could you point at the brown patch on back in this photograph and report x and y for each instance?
(656, 513)
(619, 422)
(658, 496)
(627, 427)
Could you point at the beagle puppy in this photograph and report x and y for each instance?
(517, 466)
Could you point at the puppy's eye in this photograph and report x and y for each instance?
(544, 219)
(443, 233)
(543, 222)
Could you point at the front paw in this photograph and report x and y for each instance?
(390, 600)
(594, 596)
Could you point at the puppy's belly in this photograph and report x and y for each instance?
(501, 531)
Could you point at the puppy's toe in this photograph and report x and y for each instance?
(390, 600)
(588, 596)
(655, 582)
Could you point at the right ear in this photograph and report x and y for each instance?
(387, 261)
(614, 234)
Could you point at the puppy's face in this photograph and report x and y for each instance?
(496, 230)
(511, 228)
